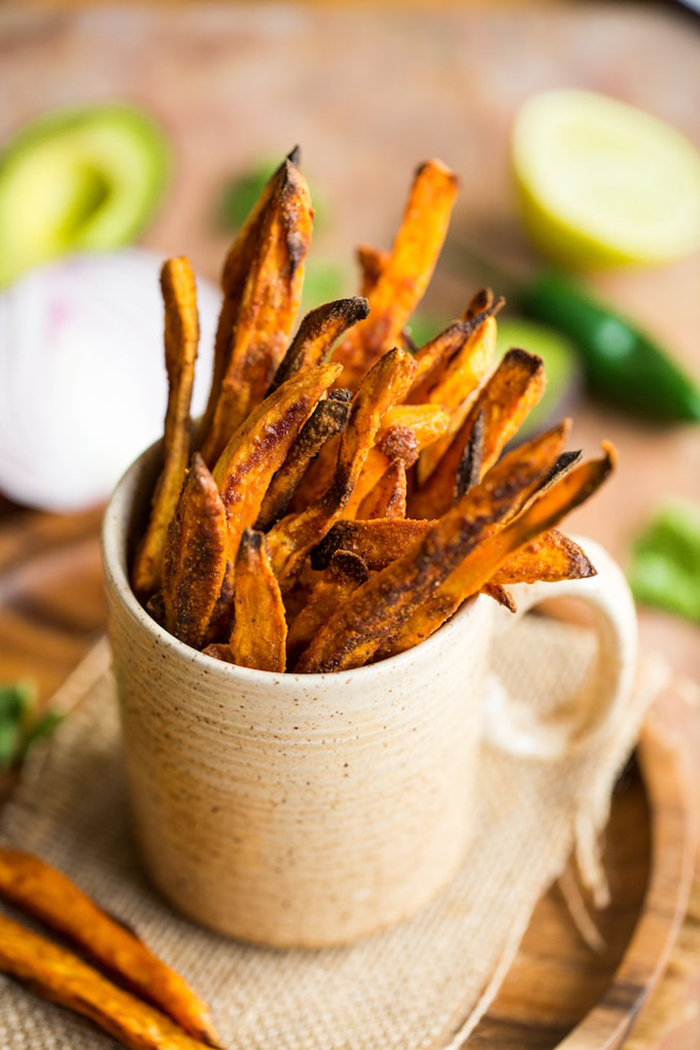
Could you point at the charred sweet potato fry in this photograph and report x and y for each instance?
(344, 574)
(378, 541)
(541, 514)
(194, 564)
(468, 472)
(56, 974)
(500, 594)
(260, 445)
(328, 419)
(47, 894)
(452, 381)
(266, 309)
(234, 274)
(376, 612)
(426, 422)
(406, 272)
(294, 536)
(406, 431)
(259, 634)
(505, 400)
(387, 497)
(441, 348)
(551, 556)
(317, 333)
(181, 342)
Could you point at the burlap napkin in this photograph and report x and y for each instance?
(423, 984)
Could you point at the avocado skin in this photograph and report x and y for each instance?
(118, 161)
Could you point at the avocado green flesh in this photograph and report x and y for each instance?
(561, 367)
(87, 180)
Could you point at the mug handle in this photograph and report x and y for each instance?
(511, 726)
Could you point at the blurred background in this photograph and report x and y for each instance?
(139, 131)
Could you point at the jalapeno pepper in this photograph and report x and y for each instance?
(622, 364)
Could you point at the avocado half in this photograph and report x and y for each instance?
(82, 179)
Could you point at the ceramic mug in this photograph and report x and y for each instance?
(311, 810)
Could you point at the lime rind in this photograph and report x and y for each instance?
(602, 183)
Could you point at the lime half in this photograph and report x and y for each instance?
(602, 183)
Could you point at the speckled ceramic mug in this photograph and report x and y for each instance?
(310, 810)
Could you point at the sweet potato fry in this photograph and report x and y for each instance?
(219, 651)
(540, 515)
(378, 541)
(259, 634)
(373, 616)
(427, 422)
(194, 563)
(407, 429)
(267, 307)
(328, 419)
(505, 400)
(442, 347)
(181, 342)
(468, 472)
(55, 974)
(317, 333)
(500, 594)
(238, 261)
(47, 894)
(373, 262)
(454, 378)
(551, 556)
(405, 275)
(292, 538)
(387, 497)
(344, 574)
(260, 445)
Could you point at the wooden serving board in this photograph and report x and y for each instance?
(559, 992)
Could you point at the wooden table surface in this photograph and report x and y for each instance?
(368, 94)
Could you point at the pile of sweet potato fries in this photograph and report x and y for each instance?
(345, 490)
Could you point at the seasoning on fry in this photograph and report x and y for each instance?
(266, 308)
(344, 574)
(378, 541)
(260, 445)
(233, 278)
(47, 894)
(505, 400)
(551, 556)
(328, 419)
(387, 497)
(377, 611)
(195, 558)
(259, 634)
(317, 333)
(294, 536)
(56, 974)
(541, 514)
(181, 342)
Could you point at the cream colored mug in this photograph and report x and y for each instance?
(310, 810)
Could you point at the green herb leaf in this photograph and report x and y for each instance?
(665, 569)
